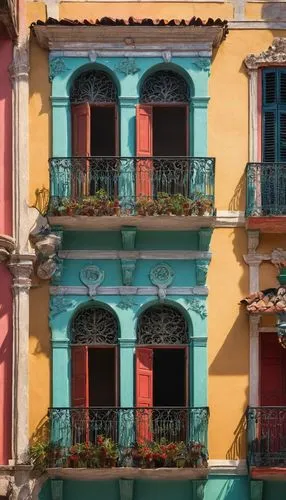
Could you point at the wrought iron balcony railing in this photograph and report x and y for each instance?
(266, 430)
(266, 189)
(131, 185)
(79, 431)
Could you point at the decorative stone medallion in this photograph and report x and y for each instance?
(91, 277)
(127, 66)
(162, 276)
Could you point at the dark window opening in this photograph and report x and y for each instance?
(101, 375)
(102, 129)
(169, 379)
(169, 131)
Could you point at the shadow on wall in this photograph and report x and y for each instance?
(42, 432)
(238, 446)
(39, 321)
(237, 200)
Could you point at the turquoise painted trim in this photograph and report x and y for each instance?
(128, 91)
(127, 312)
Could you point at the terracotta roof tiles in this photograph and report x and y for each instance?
(271, 300)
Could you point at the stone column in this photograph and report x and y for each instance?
(21, 268)
(254, 321)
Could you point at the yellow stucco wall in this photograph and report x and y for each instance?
(228, 274)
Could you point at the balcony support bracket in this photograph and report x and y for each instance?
(126, 489)
(256, 490)
(198, 490)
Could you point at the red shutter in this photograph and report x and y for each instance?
(144, 147)
(81, 146)
(144, 392)
(273, 371)
(80, 377)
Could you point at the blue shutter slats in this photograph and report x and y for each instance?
(274, 115)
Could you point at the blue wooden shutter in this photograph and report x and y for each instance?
(274, 115)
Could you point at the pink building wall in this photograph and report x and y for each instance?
(6, 332)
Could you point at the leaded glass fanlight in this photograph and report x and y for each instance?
(93, 87)
(162, 324)
(94, 325)
(164, 87)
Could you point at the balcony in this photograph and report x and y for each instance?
(9, 17)
(104, 443)
(266, 429)
(266, 197)
(150, 192)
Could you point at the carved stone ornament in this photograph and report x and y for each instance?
(202, 64)
(197, 306)
(57, 66)
(281, 329)
(276, 54)
(128, 269)
(19, 68)
(167, 56)
(278, 257)
(7, 245)
(162, 276)
(201, 271)
(91, 277)
(46, 246)
(59, 304)
(92, 55)
(21, 271)
(127, 303)
(127, 66)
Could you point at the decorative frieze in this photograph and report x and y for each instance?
(129, 290)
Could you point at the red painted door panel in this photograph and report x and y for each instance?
(81, 146)
(273, 371)
(80, 377)
(144, 147)
(144, 392)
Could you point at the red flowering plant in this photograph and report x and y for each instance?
(164, 454)
(102, 453)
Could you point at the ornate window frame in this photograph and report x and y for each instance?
(165, 86)
(275, 55)
(150, 334)
(94, 325)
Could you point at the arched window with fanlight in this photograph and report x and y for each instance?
(94, 338)
(94, 110)
(162, 132)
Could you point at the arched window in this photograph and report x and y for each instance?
(162, 358)
(94, 337)
(162, 128)
(93, 98)
(162, 325)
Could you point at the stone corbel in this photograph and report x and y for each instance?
(7, 246)
(57, 489)
(47, 245)
(256, 490)
(201, 271)
(205, 234)
(128, 269)
(252, 241)
(128, 236)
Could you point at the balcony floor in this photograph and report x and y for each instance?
(271, 224)
(169, 473)
(154, 222)
(268, 473)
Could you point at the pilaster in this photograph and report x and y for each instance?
(61, 127)
(198, 372)
(126, 372)
(21, 268)
(19, 74)
(254, 321)
(199, 116)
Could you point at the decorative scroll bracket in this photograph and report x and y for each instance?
(57, 489)
(128, 269)
(128, 236)
(201, 271)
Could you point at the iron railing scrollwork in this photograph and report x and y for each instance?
(162, 325)
(266, 189)
(266, 429)
(129, 179)
(126, 426)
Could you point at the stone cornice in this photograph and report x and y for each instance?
(183, 38)
(274, 55)
(128, 290)
(135, 254)
(7, 245)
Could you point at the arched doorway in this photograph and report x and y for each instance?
(94, 354)
(163, 133)
(162, 373)
(94, 110)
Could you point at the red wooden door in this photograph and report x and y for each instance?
(80, 394)
(272, 393)
(81, 147)
(144, 147)
(144, 393)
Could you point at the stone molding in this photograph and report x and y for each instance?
(19, 68)
(228, 467)
(21, 268)
(135, 254)
(127, 290)
(275, 54)
(7, 246)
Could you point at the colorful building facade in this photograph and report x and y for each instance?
(148, 161)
